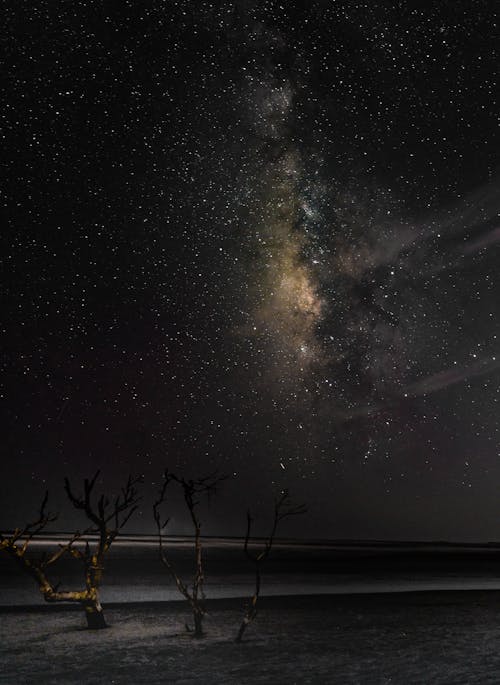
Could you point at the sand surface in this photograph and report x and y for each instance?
(398, 638)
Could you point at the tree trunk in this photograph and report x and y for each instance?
(94, 615)
(198, 624)
(251, 611)
(244, 623)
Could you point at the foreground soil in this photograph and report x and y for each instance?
(446, 637)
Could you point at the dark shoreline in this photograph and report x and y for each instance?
(305, 601)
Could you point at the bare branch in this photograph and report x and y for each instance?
(122, 508)
(67, 548)
(29, 530)
(100, 514)
(84, 503)
(193, 490)
(283, 507)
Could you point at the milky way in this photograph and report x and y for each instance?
(258, 237)
(288, 307)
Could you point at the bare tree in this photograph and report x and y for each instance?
(193, 491)
(17, 544)
(106, 520)
(283, 508)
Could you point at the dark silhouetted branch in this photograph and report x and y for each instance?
(193, 490)
(283, 508)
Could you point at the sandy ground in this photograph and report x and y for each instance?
(424, 638)
(327, 616)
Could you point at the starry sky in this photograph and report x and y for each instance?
(260, 237)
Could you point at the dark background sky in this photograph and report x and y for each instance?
(261, 237)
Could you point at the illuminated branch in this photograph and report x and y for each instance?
(106, 520)
(16, 546)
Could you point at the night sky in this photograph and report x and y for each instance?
(257, 236)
